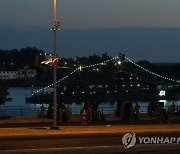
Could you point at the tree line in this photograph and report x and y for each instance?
(32, 57)
(18, 59)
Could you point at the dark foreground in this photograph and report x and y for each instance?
(106, 144)
(32, 135)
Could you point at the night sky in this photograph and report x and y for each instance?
(142, 29)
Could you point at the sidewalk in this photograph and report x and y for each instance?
(113, 127)
(76, 120)
(66, 131)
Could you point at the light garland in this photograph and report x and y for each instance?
(77, 69)
(100, 64)
(155, 74)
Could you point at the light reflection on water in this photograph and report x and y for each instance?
(20, 93)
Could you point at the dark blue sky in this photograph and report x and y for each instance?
(91, 13)
(143, 29)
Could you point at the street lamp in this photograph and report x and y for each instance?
(54, 29)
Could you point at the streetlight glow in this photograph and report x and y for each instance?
(119, 62)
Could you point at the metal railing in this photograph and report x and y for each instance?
(75, 110)
(18, 112)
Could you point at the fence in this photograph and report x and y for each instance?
(75, 110)
(18, 112)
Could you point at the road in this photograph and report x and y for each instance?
(91, 144)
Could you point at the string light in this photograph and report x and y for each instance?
(77, 69)
(100, 64)
(155, 74)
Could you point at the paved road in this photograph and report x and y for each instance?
(30, 135)
(91, 144)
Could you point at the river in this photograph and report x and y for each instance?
(18, 103)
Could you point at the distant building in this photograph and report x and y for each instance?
(18, 74)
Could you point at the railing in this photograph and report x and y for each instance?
(18, 112)
(75, 110)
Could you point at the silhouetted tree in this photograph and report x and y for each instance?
(3, 93)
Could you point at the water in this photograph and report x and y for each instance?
(19, 94)
(18, 105)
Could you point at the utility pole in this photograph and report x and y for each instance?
(54, 29)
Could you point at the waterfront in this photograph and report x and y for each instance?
(19, 105)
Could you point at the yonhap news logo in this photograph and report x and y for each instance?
(129, 140)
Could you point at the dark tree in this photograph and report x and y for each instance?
(3, 93)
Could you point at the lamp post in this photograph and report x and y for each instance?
(54, 29)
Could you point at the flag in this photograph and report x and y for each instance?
(55, 61)
(50, 60)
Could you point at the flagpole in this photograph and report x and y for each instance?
(55, 125)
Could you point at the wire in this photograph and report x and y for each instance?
(146, 70)
(77, 69)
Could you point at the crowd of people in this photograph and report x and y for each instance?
(90, 113)
(160, 114)
(64, 113)
(125, 110)
(129, 112)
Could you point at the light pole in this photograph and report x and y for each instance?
(54, 29)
